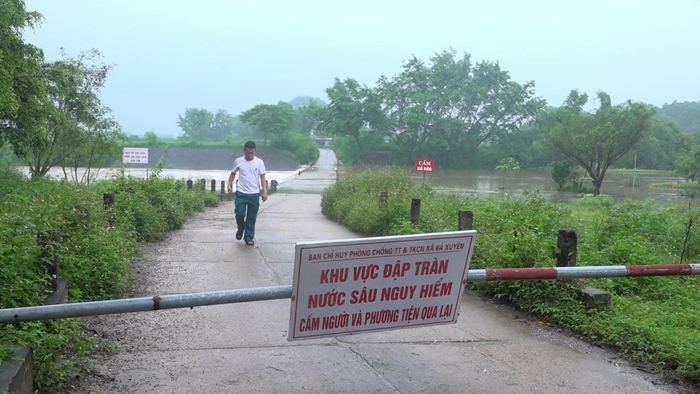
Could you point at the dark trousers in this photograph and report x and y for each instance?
(247, 206)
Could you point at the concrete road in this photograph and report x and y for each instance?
(243, 348)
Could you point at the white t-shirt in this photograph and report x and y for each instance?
(249, 174)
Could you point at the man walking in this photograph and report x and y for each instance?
(251, 179)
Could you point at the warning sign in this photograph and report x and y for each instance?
(375, 284)
(135, 155)
(425, 165)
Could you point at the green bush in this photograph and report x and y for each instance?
(301, 148)
(649, 319)
(95, 247)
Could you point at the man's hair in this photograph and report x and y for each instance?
(249, 145)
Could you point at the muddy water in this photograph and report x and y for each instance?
(495, 184)
(474, 183)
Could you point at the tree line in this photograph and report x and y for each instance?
(472, 115)
(468, 114)
(286, 126)
(51, 113)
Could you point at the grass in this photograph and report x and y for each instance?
(651, 320)
(95, 247)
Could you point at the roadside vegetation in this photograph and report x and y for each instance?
(467, 114)
(95, 247)
(651, 320)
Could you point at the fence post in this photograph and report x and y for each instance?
(189, 184)
(465, 221)
(108, 200)
(223, 187)
(108, 204)
(213, 185)
(204, 184)
(383, 197)
(567, 242)
(415, 211)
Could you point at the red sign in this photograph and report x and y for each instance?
(425, 165)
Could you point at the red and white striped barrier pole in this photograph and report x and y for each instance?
(93, 308)
(612, 271)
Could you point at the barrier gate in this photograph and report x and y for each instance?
(361, 285)
(190, 300)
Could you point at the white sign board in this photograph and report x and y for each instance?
(376, 284)
(135, 155)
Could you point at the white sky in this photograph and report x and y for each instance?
(174, 54)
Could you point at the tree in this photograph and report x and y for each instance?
(101, 144)
(305, 101)
(222, 125)
(526, 146)
(353, 110)
(151, 138)
(270, 119)
(451, 99)
(595, 140)
(686, 114)
(76, 116)
(664, 146)
(23, 95)
(308, 117)
(561, 172)
(196, 124)
(688, 165)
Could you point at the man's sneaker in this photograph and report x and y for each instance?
(239, 235)
(249, 242)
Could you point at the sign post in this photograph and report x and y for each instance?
(425, 165)
(376, 284)
(135, 156)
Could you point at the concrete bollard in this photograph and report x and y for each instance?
(108, 200)
(189, 184)
(567, 242)
(465, 221)
(415, 211)
(223, 187)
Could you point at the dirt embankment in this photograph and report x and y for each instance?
(212, 159)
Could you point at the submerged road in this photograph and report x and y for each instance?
(243, 348)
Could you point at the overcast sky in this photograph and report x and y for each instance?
(231, 54)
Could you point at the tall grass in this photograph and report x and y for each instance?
(651, 320)
(95, 247)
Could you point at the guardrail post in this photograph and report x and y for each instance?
(567, 242)
(108, 200)
(223, 187)
(213, 185)
(415, 211)
(189, 184)
(466, 220)
(108, 204)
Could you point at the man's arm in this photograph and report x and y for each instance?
(264, 187)
(230, 181)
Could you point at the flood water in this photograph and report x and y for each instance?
(472, 183)
(496, 184)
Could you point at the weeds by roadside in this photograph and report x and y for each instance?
(652, 320)
(95, 247)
